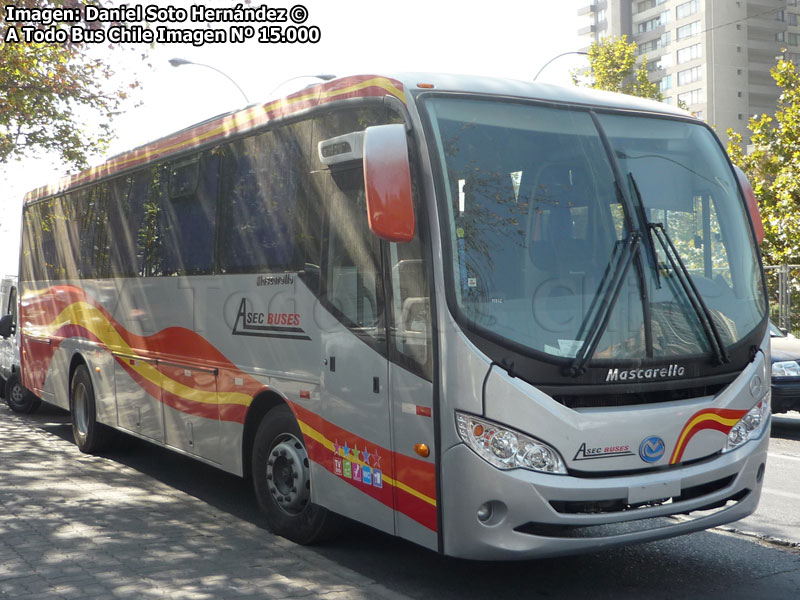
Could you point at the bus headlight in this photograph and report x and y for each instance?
(749, 426)
(507, 449)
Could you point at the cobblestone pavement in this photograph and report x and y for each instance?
(79, 526)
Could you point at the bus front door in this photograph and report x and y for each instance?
(355, 367)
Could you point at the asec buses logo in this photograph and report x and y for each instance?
(274, 325)
(651, 449)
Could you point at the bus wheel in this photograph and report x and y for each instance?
(282, 481)
(19, 399)
(90, 436)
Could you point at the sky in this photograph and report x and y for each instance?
(505, 38)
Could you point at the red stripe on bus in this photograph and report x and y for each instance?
(415, 473)
(323, 457)
(405, 471)
(174, 341)
(686, 435)
(420, 511)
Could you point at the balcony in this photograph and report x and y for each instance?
(765, 24)
(587, 10)
(771, 46)
(589, 29)
(763, 91)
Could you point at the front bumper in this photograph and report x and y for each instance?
(540, 515)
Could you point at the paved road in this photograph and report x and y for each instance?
(76, 526)
(148, 523)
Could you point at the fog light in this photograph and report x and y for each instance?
(485, 512)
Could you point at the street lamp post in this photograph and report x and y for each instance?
(177, 62)
(580, 52)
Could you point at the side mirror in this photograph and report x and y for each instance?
(6, 325)
(752, 204)
(387, 180)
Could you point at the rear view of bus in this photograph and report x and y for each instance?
(605, 348)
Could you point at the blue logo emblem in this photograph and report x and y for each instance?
(651, 449)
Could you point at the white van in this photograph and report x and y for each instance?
(18, 398)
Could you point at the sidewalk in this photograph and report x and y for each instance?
(74, 526)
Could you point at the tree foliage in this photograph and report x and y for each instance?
(773, 166)
(56, 97)
(612, 67)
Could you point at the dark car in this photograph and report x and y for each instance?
(785, 350)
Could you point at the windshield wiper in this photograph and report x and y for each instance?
(592, 328)
(702, 311)
(682, 273)
(645, 223)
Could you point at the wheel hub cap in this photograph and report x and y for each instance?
(288, 475)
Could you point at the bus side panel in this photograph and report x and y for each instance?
(413, 424)
(100, 363)
(39, 308)
(192, 426)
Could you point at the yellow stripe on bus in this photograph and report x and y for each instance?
(696, 421)
(93, 320)
(318, 437)
(706, 417)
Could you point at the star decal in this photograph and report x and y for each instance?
(356, 452)
(376, 460)
(366, 455)
(346, 449)
(336, 447)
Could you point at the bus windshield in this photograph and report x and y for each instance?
(547, 205)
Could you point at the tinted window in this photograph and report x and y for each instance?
(262, 187)
(188, 216)
(48, 261)
(353, 275)
(141, 214)
(88, 211)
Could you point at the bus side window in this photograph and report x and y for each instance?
(352, 276)
(144, 206)
(123, 246)
(411, 328)
(31, 259)
(188, 216)
(89, 211)
(261, 188)
(48, 266)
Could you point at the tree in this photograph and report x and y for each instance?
(612, 67)
(773, 167)
(57, 97)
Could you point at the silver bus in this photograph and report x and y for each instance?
(496, 318)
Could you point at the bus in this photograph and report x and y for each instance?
(499, 319)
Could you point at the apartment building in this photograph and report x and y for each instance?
(713, 55)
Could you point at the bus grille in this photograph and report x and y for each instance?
(635, 398)
(627, 527)
(621, 505)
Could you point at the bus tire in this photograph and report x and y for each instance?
(18, 398)
(282, 481)
(90, 436)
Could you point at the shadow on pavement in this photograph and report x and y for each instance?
(707, 564)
